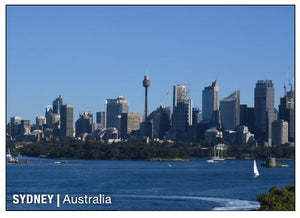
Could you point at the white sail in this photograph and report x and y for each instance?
(256, 173)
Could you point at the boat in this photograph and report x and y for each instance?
(210, 161)
(61, 162)
(10, 158)
(13, 160)
(255, 170)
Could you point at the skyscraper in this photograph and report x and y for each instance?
(210, 102)
(263, 109)
(130, 122)
(182, 111)
(25, 127)
(113, 110)
(182, 116)
(100, 118)
(57, 103)
(287, 112)
(40, 121)
(15, 124)
(280, 132)
(161, 119)
(197, 115)
(84, 124)
(66, 116)
(179, 94)
(247, 117)
(243, 115)
(230, 111)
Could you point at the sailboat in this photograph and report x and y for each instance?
(255, 170)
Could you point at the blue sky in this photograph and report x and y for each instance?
(90, 53)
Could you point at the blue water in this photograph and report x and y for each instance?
(142, 185)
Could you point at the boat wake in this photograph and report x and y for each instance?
(223, 203)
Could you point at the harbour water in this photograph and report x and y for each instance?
(143, 185)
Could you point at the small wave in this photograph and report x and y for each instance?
(237, 204)
(224, 203)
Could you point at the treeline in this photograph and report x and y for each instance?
(241, 152)
(75, 149)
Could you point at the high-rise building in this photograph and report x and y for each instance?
(263, 109)
(182, 116)
(113, 110)
(48, 111)
(280, 132)
(25, 127)
(130, 122)
(182, 111)
(210, 102)
(287, 112)
(84, 124)
(100, 118)
(197, 115)
(179, 94)
(57, 103)
(40, 121)
(161, 119)
(243, 115)
(66, 116)
(15, 123)
(250, 114)
(230, 111)
(247, 117)
(53, 120)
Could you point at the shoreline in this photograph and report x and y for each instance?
(154, 159)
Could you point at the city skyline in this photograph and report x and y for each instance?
(106, 52)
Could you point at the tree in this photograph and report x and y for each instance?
(278, 199)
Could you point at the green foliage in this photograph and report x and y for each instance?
(132, 150)
(278, 199)
(73, 149)
(241, 152)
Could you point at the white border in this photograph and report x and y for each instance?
(143, 214)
